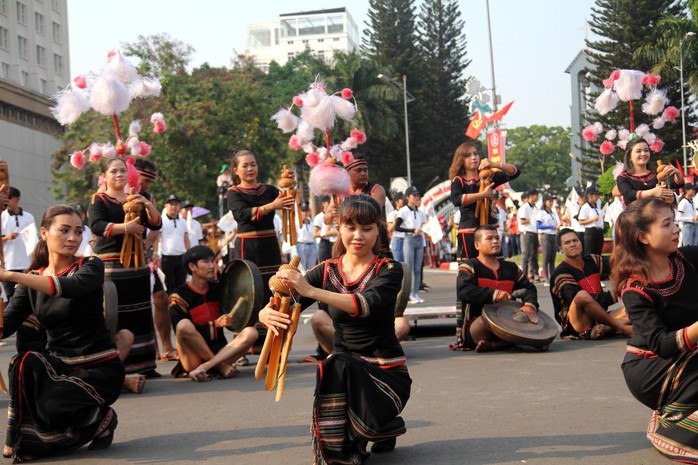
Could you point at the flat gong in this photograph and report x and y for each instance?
(500, 319)
(241, 279)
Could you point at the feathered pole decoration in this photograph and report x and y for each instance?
(110, 93)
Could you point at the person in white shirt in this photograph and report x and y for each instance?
(223, 182)
(396, 242)
(573, 214)
(687, 216)
(326, 233)
(591, 217)
(547, 224)
(306, 247)
(196, 235)
(85, 249)
(15, 222)
(529, 236)
(410, 220)
(501, 222)
(174, 242)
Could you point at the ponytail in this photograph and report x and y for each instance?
(39, 256)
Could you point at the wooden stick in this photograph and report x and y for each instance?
(288, 341)
(275, 354)
(238, 305)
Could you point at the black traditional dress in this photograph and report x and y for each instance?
(477, 285)
(364, 385)
(661, 365)
(468, 220)
(629, 185)
(60, 400)
(567, 280)
(132, 285)
(256, 238)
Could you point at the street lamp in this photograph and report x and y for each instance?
(688, 36)
(407, 98)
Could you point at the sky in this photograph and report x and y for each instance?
(533, 42)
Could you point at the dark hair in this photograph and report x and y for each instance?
(629, 257)
(362, 210)
(234, 164)
(196, 253)
(458, 164)
(14, 192)
(563, 232)
(107, 162)
(40, 254)
(143, 164)
(478, 232)
(627, 163)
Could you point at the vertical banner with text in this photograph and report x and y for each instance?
(496, 141)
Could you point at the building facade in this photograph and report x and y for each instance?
(34, 64)
(321, 31)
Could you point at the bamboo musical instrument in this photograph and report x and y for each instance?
(482, 209)
(132, 247)
(287, 184)
(274, 354)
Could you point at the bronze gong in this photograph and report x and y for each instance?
(242, 292)
(517, 329)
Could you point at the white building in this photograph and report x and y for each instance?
(322, 31)
(34, 64)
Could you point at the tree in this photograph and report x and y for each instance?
(540, 152)
(443, 46)
(624, 26)
(159, 54)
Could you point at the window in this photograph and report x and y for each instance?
(24, 78)
(288, 28)
(321, 55)
(40, 55)
(4, 38)
(5, 71)
(3, 7)
(305, 41)
(308, 26)
(21, 13)
(320, 40)
(56, 33)
(259, 38)
(43, 86)
(39, 22)
(290, 55)
(57, 64)
(56, 4)
(22, 44)
(335, 24)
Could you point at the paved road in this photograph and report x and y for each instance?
(566, 406)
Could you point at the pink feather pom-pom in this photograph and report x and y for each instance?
(95, 157)
(347, 94)
(78, 159)
(670, 114)
(145, 149)
(358, 136)
(588, 134)
(80, 82)
(606, 148)
(312, 159)
(615, 75)
(658, 122)
(295, 142)
(329, 179)
(158, 120)
(159, 126)
(608, 83)
(347, 158)
(622, 144)
(651, 79)
(298, 101)
(657, 146)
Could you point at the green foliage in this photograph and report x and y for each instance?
(606, 182)
(541, 153)
(159, 54)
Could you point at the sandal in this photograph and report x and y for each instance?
(105, 438)
(171, 356)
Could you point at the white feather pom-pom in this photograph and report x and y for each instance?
(120, 68)
(308, 148)
(285, 120)
(629, 85)
(606, 102)
(70, 104)
(146, 87)
(622, 144)
(349, 144)
(343, 108)
(624, 134)
(655, 102)
(321, 115)
(313, 97)
(336, 152)
(658, 122)
(134, 128)
(132, 142)
(598, 128)
(611, 134)
(136, 150)
(650, 138)
(109, 96)
(108, 151)
(305, 131)
(641, 130)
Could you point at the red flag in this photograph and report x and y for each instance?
(476, 125)
(497, 116)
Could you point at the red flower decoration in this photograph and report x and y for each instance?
(295, 142)
(670, 114)
(347, 157)
(615, 75)
(347, 94)
(657, 146)
(588, 134)
(312, 159)
(607, 148)
(651, 79)
(145, 149)
(80, 82)
(358, 136)
(159, 126)
(78, 159)
(298, 101)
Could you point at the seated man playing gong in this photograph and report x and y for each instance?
(488, 279)
(203, 349)
(581, 304)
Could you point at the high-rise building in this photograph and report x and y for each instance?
(34, 64)
(321, 31)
